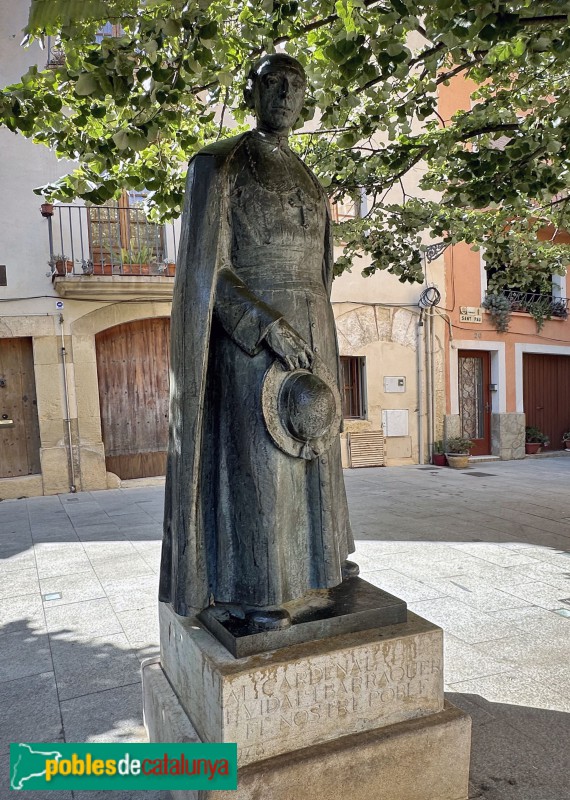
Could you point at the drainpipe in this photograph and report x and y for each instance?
(420, 366)
(429, 387)
(72, 487)
(432, 367)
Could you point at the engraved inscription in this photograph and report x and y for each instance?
(369, 685)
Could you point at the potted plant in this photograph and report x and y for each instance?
(136, 261)
(500, 308)
(535, 440)
(457, 452)
(438, 456)
(566, 440)
(60, 264)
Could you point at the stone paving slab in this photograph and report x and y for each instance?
(30, 706)
(487, 557)
(86, 665)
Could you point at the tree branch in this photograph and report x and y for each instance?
(488, 129)
(311, 26)
(543, 19)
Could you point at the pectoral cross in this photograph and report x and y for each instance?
(298, 200)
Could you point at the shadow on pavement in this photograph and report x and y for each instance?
(63, 688)
(517, 752)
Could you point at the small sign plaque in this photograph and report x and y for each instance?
(470, 314)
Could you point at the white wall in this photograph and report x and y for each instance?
(24, 245)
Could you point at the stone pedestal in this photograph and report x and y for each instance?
(360, 714)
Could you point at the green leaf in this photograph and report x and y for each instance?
(121, 139)
(225, 78)
(86, 84)
(208, 31)
(53, 102)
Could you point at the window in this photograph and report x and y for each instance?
(552, 302)
(56, 55)
(350, 207)
(353, 387)
(108, 31)
(120, 233)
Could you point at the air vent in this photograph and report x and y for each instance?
(366, 449)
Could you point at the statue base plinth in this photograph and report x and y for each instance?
(354, 605)
(359, 715)
(420, 759)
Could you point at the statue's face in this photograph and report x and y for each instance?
(278, 96)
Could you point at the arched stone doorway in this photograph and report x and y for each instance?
(133, 378)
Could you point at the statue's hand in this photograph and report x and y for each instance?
(291, 349)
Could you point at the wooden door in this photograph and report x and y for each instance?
(546, 393)
(475, 399)
(133, 374)
(19, 439)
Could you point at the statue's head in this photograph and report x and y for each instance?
(275, 91)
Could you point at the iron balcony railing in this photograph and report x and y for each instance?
(549, 305)
(108, 240)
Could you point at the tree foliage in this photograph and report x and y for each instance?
(131, 110)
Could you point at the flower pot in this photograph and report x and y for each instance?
(61, 267)
(46, 210)
(438, 459)
(170, 269)
(102, 269)
(457, 460)
(567, 444)
(532, 448)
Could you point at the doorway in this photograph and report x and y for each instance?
(132, 368)
(475, 399)
(19, 425)
(546, 389)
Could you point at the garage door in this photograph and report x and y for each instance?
(132, 367)
(547, 395)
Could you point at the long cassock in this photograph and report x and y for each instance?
(244, 521)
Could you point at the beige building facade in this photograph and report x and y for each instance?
(397, 345)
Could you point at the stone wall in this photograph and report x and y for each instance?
(387, 337)
(507, 435)
(451, 426)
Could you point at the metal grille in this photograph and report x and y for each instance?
(366, 449)
(112, 239)
(471, 397)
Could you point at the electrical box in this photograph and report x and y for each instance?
(395, 422)
(394, 384)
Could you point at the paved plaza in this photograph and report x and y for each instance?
(484, 553)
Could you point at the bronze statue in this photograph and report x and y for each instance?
(256, 513)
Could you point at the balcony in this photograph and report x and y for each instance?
(110, 252)
(546, 304)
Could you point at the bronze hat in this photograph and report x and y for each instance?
(301, 409)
